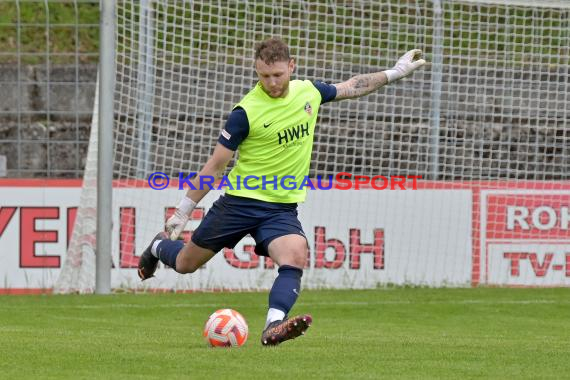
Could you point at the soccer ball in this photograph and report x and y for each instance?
(226, 328)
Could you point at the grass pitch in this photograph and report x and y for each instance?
(387, 333)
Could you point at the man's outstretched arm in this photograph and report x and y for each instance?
(364, 84)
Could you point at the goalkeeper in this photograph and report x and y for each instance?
(273, 128)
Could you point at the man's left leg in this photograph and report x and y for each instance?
(290, 253)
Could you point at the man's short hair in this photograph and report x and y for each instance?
(272, 50)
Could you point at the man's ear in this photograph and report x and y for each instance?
(291, 65)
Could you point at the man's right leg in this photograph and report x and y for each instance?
(210, 233)
(192, 257)
(182, 258)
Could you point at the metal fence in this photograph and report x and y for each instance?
(48, 68)
(49, 53)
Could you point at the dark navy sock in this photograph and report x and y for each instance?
(286, 288)
(167, 251)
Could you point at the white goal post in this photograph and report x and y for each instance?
(485, 123)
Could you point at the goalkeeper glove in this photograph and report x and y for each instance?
(405, 65)
(176, 223)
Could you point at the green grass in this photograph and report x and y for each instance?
(386, 333)
(60, 30)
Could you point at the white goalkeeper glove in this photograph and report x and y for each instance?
(405, 65)
(176, 223)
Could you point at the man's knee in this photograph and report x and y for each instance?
(289, 250)
(299, 257)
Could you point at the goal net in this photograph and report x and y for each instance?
(485, 124)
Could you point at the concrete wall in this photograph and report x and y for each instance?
(45, 118)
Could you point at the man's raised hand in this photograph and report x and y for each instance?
(405, 65)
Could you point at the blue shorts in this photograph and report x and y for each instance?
(231, 218)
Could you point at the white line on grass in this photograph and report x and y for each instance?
(301, 303)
